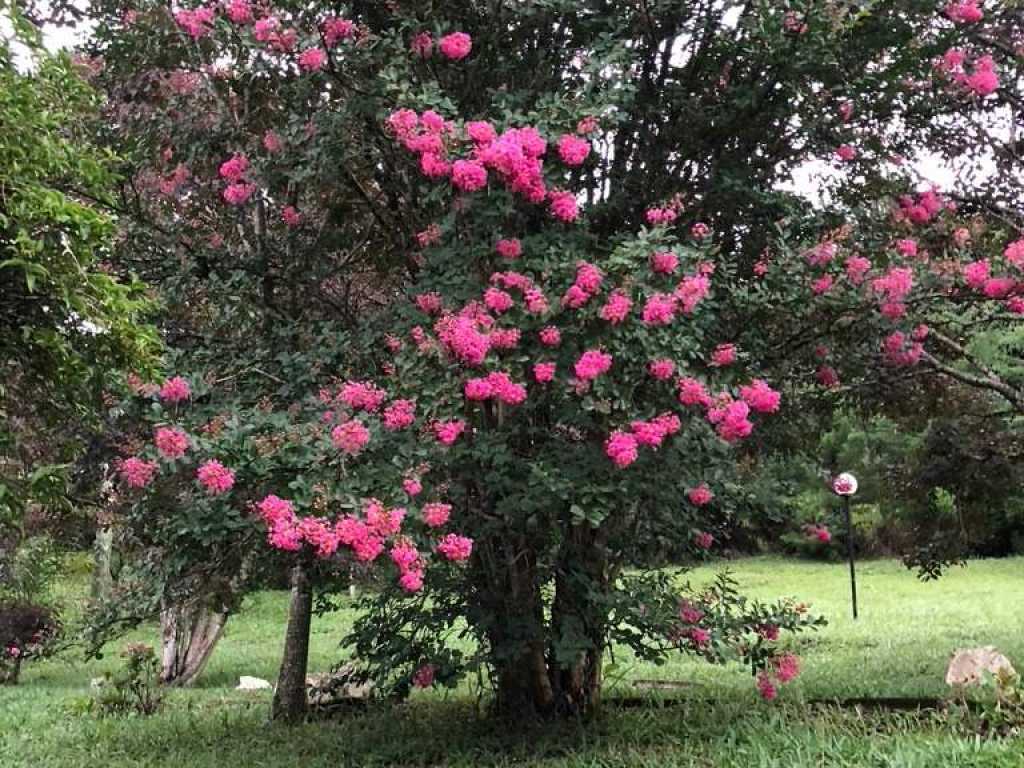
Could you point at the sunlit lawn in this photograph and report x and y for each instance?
(898, 648)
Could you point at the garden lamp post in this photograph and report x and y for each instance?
(846, 485)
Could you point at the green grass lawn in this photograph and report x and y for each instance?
(898, 648)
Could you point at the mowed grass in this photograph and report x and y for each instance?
(898, 648)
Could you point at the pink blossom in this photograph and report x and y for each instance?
(822, 285)
(478, 389)
(433, 166)
(766, 687)
(411, 581)
(964, 12)
(362, 395)
(447, 432)
(291, 217)
(172, 443)
(1014, 253)
(658, 216)
(846, 111)
(399, 415)
(428, 303)
(197, 23)
(586, 125)
(920, 333)
(337, 29)
(455, 547)
(497, 300)
(699, 636)
(907, 247)
(573, 150)
(976, 273)
(660, 309)
(404, 556)
(689, 613)
(550, 336)
(136, 472)
(509, 248)
(703, 540)
(733, 424)
(412, 487)
(787, 667)
(215, 477)
(174, 390)
(700, 230)
(424, 676)
(592, 364)
(272, 142)
(350, 437)
(312, 59)
(664, 262)
(1015, 304)
(822, 253)
(481, 132)
(700, 495)
(536, 303)
(895, 284)
(621, 448)
(693, 392)
(661, 369)
(617, 308)
(468, 175)
(857, 268)
(999, 287)
(564, 207)
(769, 632)
(422, 45)
(436, 514)
(544, 372)
(239, 11)
(455, 46)
(723, 355)
(983, 80)
(234, 169)
(238, 194)
(846, 153)
(691, 291)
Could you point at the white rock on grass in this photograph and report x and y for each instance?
(246, 683)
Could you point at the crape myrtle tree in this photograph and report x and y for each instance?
(602, 143)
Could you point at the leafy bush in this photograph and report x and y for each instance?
(134, 688)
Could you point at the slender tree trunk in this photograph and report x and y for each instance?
(189, 633)
(290, 696)
(103, 557)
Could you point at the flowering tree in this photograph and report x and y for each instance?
(585, 346)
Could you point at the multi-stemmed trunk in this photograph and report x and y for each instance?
(290, 701)
(189, 633)
(537, 674)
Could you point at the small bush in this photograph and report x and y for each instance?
(26, 632)
(134, 688)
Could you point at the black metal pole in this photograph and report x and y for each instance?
(849, 552)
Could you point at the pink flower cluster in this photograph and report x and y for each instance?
(172, 443)
(657, 217)
(662, 369)
(585, 287)
(919, 209)
(436, 514)
(455, 547)
(197, 22)
(447, 432)
(215, 477)
(361, 396)
(622, 447)
(350, 437)
(700, 495)
(496, 385)
(312, 59)
(174, 390)
(336, 29)
(723, 355)
(899, 351)
(509, 248)
(573, 150)
(591, 364)
(136, 472)
(399, 414)
(664, 262)
(966, 12)
(455, 46)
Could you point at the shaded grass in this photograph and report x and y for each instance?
(899, 647)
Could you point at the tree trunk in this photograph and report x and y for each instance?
(103, 559)
(290, 696)
(578, 622)
(189, 633)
